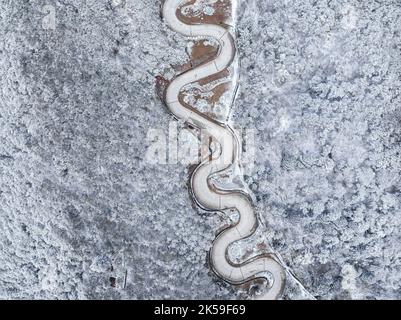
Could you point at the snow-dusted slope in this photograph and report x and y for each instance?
(83, 214)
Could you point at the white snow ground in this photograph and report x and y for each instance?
(84, 215)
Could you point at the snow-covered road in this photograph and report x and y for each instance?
(207, 195)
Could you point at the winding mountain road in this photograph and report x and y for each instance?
(206, 194)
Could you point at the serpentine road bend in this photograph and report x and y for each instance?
(206, 194)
